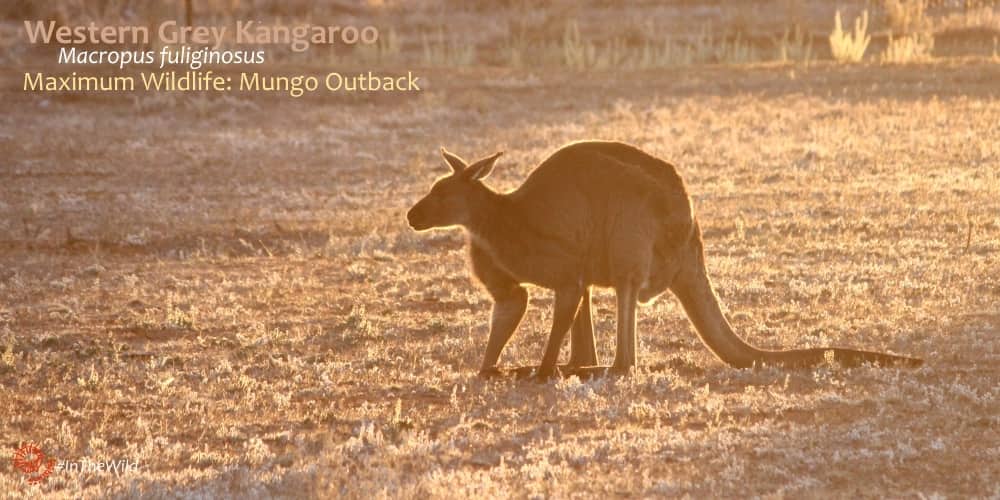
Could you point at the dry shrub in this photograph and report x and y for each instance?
(850, 47)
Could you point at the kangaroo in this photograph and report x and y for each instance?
(602, 214)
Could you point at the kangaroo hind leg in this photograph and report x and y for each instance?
(626, 351)
(567, 303)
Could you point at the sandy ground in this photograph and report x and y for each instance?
(226, 292)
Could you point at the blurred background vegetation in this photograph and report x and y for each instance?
(588, 35)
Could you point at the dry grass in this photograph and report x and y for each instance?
(850, 47)
(236, 303)
(907, 16)
(908, 49)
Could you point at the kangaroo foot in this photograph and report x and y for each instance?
(587, 372)
(565, 371)
(490, 372)
(621, 370)
(543, 374)
(522, 372)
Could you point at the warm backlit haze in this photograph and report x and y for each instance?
(223, 288)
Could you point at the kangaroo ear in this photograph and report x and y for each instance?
(457, 164)
(482, 168)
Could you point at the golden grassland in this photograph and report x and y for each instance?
(225, 290)
(236, 302)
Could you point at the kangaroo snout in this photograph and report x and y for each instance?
(416, 218)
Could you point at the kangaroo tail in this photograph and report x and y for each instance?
(696, 294)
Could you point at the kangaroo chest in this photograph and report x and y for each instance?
(536, 262)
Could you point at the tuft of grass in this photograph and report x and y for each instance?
(907, 16)
(735, 51)
(257, 452)
(664, 54)
(7, 359)
(577, 53)
(580, 54)
(914, 39)
(91, 381)
(908, 48)
(850, 47)
(441, 50)
(400, 425)
(794, 46)
(386, 51)
(179, 318)
(514, 50)
(358, 327)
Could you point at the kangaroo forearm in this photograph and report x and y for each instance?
(507, 314)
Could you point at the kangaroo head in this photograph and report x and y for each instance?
(453, 197)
